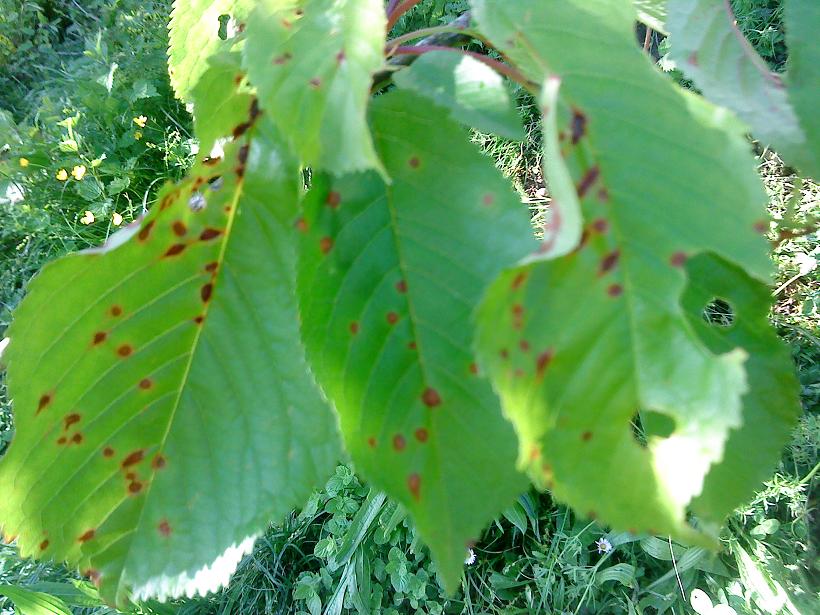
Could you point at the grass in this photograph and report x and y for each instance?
(349, 549)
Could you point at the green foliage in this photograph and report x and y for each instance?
(163, 396)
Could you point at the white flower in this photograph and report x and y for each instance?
(470, 557)
(604, 546)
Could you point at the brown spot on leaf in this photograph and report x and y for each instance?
(175, 249)
(354, 328)
(392, 318)
(414, 162)
(238, 78)
(62, 440)
(241, 129)
(282, 59)
(133, 458)
(693, 58)
(164, 528)
(615, 290)
(85, 537)
(325, 244)
(488, 199)
(524, 345)
(399, 442)
(108, 452)
(146, 383)
(77, 438)
(414, 484)
(125, 350)
(411, 345)
(99, 337)
(761, 226)
(179, 228)
(678, 259)
(603, 195)
(199, 319)
(519, 279)
(158, 462)
(116, 311)
(206, 291)
(588, 180)
(600, 225)
(145, 231)
(44, 545)
(504, 353)
(371, 442)
(609, 262)
(586, 436)
(431, 398)
(211, 267)
(45, 400)
(401, 286)
(333, 199)
(473, 368)
(542, 362)
(301, 225)
(422, 435)
(578, 126)
(340, 57)
(134, 487)
(71, 419)
(210, 233)
(254, 110)
(209, 162)
(242, 156)
(315, 82)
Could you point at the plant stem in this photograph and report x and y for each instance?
(504, 69)
(398, 11)
(395, 42)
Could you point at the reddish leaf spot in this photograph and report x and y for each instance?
(504, 353)
(392, 318)
(209, 162)
(615, 290)
(592, 515)
(693, 58)
(146, 383)
(578, 126)
(108, 452)
(206, 291)
(414, 162)
(71, 419)
(125, 350)
(316, 82)
(401, 286)
(199, 319)
(301, 225)
(145, 231)
(535, 453)
(179, 228)
(600, 225)
(414, 484)
(473, 368)
(241, 129)
(135, 487)
(164, 528)
(678, 259)
(603, 195)
(116, 311)
(518, 310)
(282, 59)
(333, 199)
(588, 180)
(254, 110)
(99, 337)
(542, 362)
(411, 345)
(175, 249)
(238, 78)
(519, 279)
(354, 328)
(586, 436)
(158, 462)
(94, 575)
(210, 233)
(340, 57)
(242, 155)
(518, 373)
(422, 435)
(211, 267)
(44, 545)
(62, 440)
(133, 458)
(761, 226)
(77, 438)
(371, 442)
(130, 476)
(86, 536)
(325, 244)
(609, 262)
(45, 400)
(399, 442)
(240, 171)
(488, 199)
(431, 398)
(524, 345)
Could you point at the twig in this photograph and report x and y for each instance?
(675, 565)
(398, 11)
(647, 40)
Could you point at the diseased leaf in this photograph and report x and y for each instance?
(708, 47)
(312, 62)
(661, 176)
(474, 93)
(389, 277)
(772, 404)
(164, 408)
(194, 37)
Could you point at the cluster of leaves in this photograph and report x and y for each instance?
(371, 265)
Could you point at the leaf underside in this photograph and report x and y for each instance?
(389, 277)
(577, 346)
(164, 409)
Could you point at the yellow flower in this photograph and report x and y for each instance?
(88, 218)
(24, 162)
(116, 219)
(138, 135)
(62, 175)
(78, 172)
(140, 121)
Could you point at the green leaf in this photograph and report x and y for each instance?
(29, 602)
(194, 37)
(652, 13)
(622, 573)
(771, 407)
(710, 49)
(312, 62)
(163, 405)
(656, 187)
(803, 79)
(473, 92)
(389, 277)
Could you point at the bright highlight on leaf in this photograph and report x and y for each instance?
(606, 333)
(389, 278)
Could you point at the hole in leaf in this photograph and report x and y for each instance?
(719, 313)
(648, 424)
